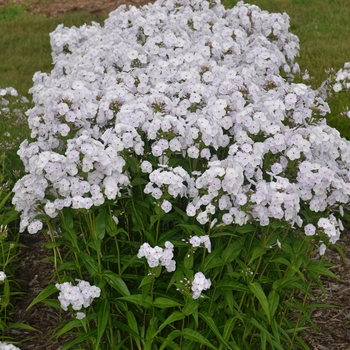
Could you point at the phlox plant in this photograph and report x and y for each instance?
(178, 171)
(9, 249)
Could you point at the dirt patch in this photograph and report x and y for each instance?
(59, 7)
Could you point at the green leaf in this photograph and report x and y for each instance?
(126, 328)
(210, 322)
(102, 317)
(231, 252)
(50, 245)
(52, 302)
(3, 202)
(282, 261)
(193, 335)
(273, 300)
(190, 308)
(232, 285)
(255, 287)
(116, 282)
(17, 325)
(247, 228)
(174, 334)
(175, 316)
(315, 267)
(80, 339)
(68, 222)
(68, 327)
(100, 223)
(71, 236)
(49, 290)
(138, 300)
(139, 181)
(150, 333)
(164, 303)
(146, 280)
(134, 326)
(256, 253)
(188, 261)
(192, 230)
(228, 328)
(90, 263)
(287, 283)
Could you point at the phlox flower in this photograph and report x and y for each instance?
(199, 284)
(310, 229)
(4, 345)
(77, 296)
(158, 256)
(80, 315)
(200, 82)
(2, 276)
(166, 206)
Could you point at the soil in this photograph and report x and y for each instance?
(36, 272)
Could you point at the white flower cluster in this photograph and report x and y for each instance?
(158, 256)
(12, 117)
(203, 241)
(81, 295)
(5, 346)
(184, 78)
(2, 275)
(342, 78)
(199, 284)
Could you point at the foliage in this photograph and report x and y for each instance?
(187, 178)
(13, 130)
(9, 248)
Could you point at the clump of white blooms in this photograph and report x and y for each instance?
(2, 275)
(189, 79)
(12, 117)
(203, 241)
(342, 78)
(158, 256)
(199, 284)
(81, 295)
(5, 346)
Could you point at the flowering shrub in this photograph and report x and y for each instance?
(5, 346)
(178, 125)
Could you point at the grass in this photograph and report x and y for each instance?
(25, 43)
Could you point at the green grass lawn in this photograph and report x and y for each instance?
(25, 43)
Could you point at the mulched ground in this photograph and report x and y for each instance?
(35, 273)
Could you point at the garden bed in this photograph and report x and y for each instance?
(35, 273)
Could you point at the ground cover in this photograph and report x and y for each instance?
(337, 292)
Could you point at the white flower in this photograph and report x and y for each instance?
(2, 275)
(158, 256)
(199, 284)
(322, 249)
(77, 296)
(166, 206)
(146, 167)
(6, 346)
(80, 315)
(310, 230)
